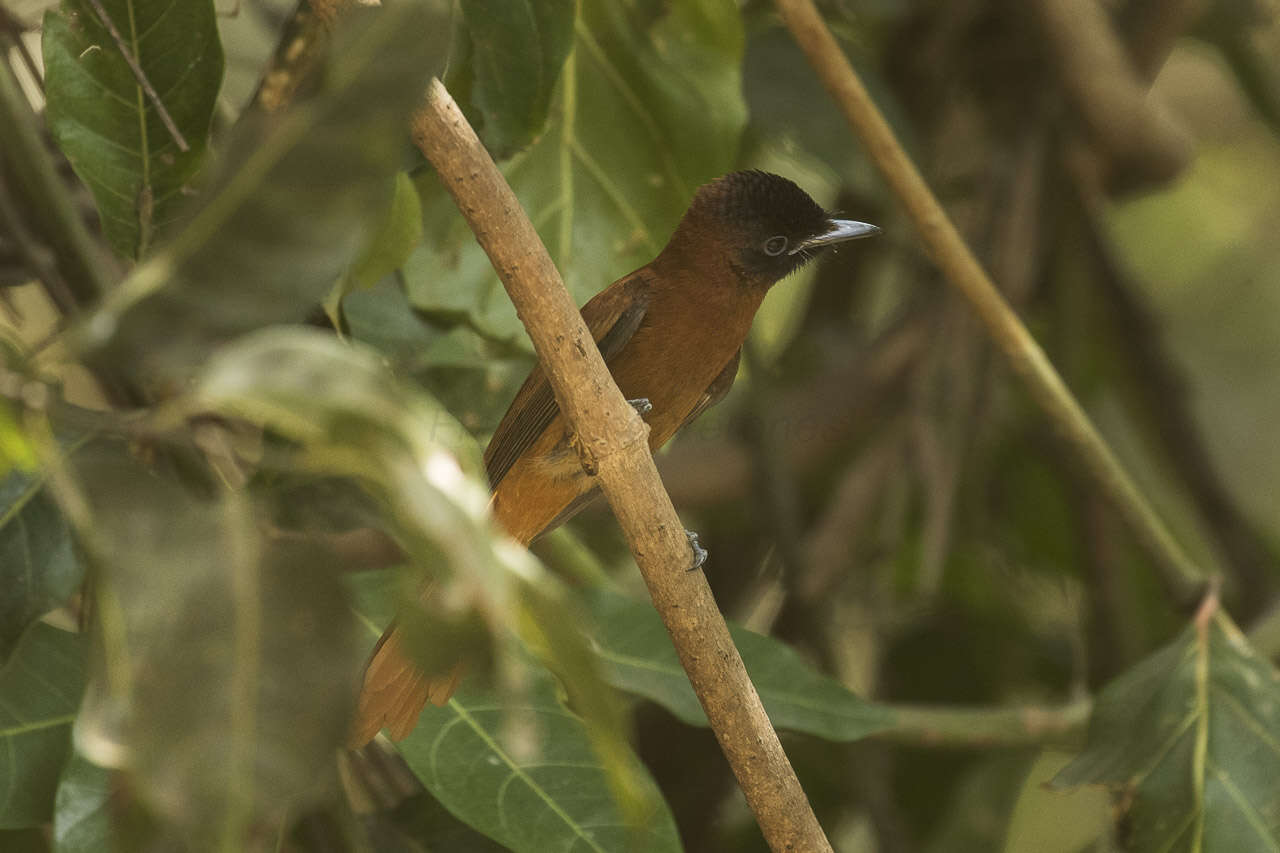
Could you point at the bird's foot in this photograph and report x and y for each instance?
(641, 405)
(699, 553)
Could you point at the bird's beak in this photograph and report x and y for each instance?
(838, 231)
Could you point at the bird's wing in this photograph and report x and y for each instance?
(716, 390)
(612, 317)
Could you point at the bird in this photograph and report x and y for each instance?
(671, 334)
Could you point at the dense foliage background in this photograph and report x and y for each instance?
(212, 501)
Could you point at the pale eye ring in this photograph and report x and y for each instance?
(775, 246)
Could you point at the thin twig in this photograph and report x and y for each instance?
(51, 214)
(141, 77)
(615, 438)
(1182, 578)
(38, 258)
(985, 727)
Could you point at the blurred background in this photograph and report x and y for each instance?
(878, 491)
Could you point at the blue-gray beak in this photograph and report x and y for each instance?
(838, 231)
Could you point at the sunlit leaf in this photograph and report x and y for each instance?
(1049, 821)
(108, 127)
(353, 418)
(517, 49)
(40, 689)
(1187, 740)
(82, 815)
(648, 108)
(225, 665)
(15, 449)
(638, 657)
(286, 210)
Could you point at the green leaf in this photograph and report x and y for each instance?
(1049, 821)
(40, 689)
(39, 568)
(648, 108)
(527, 776)
(517, 50)
(1188, 742)
(393, 241)
(638, 657)
(107, 126)
(603, 778)
(290, 205)
(226, 659)
(15, 449)
(82, 809)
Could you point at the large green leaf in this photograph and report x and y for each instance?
(108, 127)
(517, 49)
(648, 108)
(226, 658)
(287, 209)
(39, 568)
(520, 766)
(527, 775)
(1189, 741)
(40, 689)
(638, 657)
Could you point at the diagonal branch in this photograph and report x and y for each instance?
(611, 433)
(141, 77)
(1182, 578)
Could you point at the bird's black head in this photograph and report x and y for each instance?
(770, 226)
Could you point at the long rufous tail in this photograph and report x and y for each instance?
(395, 691)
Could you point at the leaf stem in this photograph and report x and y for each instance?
(1182, 578)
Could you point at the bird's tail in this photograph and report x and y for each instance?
(395, 691)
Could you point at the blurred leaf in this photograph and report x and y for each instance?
(639, 658)
(317, 390)
(976, 817)
(23, 840)
(1046, 821)
(517, 49)
(1187, 740)
(786, 102)
(40, 688)
(39, 568)
(15, 449)
(393, 240)
(648, 108)
(287, 210)
(82, 812)
(355, 419)
(383, 318)
(108, 127)
(225, 662)
(527, 776)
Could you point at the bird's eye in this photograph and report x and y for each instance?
(775, 246)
